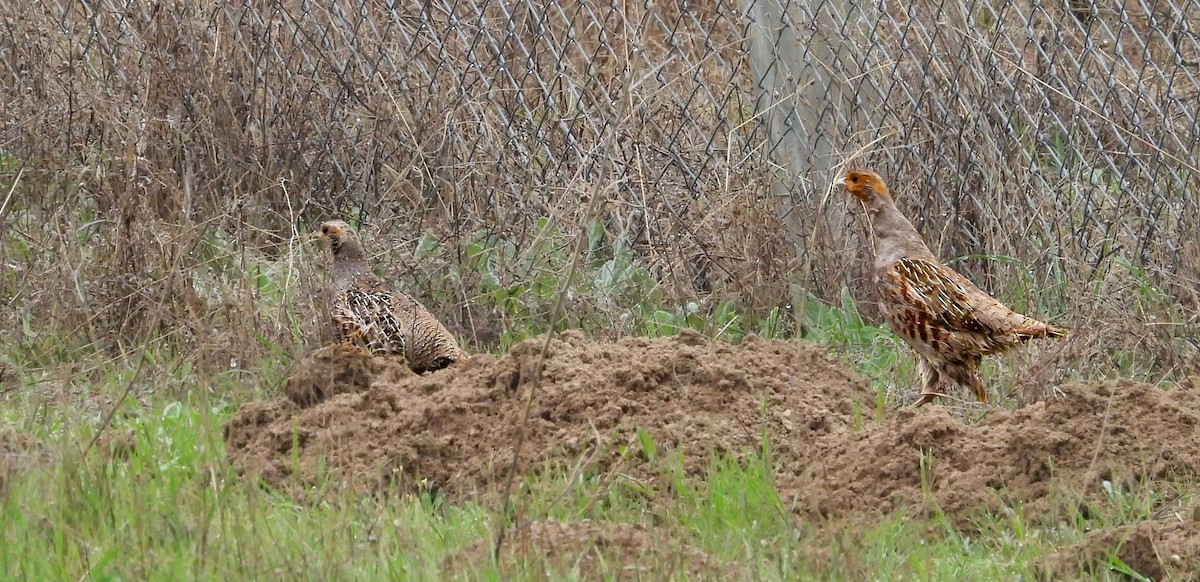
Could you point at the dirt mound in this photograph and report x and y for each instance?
(592, 549)
(1159, 550)
(374, 424)
(457, 426)
(337, 370)
(1086, 434)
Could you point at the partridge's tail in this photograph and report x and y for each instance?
(1034, 329)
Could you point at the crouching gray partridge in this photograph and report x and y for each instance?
(948, 321)
(368, 312)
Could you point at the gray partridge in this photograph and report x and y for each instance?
(948, 321)
(368, 312)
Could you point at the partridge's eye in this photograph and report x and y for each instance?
(854, 178)
(324, 230)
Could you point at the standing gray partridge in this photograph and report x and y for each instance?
(367, 311)
(948, 321)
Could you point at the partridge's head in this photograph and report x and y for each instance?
(339, 239)
(867, 186)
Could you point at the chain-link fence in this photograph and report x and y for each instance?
(1061, 134)
(1013, 128)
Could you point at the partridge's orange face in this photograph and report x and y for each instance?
(865, 185)
(334, 233)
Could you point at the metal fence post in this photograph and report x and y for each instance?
(802, 58)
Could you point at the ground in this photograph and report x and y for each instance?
(656, 414)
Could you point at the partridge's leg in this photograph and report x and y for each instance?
(967, 374)
(976, 386)
(932, 380)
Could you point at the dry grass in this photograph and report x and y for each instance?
(162, 162)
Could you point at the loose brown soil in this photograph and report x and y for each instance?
(458, 426)
(338, 370)
(1084, 434)
(370, 424)
(1157, 549)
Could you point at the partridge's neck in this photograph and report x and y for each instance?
(349, 260)
(896, 238)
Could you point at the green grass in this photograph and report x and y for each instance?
(173, 509)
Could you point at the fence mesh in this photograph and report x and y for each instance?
(1064, 134)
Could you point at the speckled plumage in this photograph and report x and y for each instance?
(948, 321)
(368, 312)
